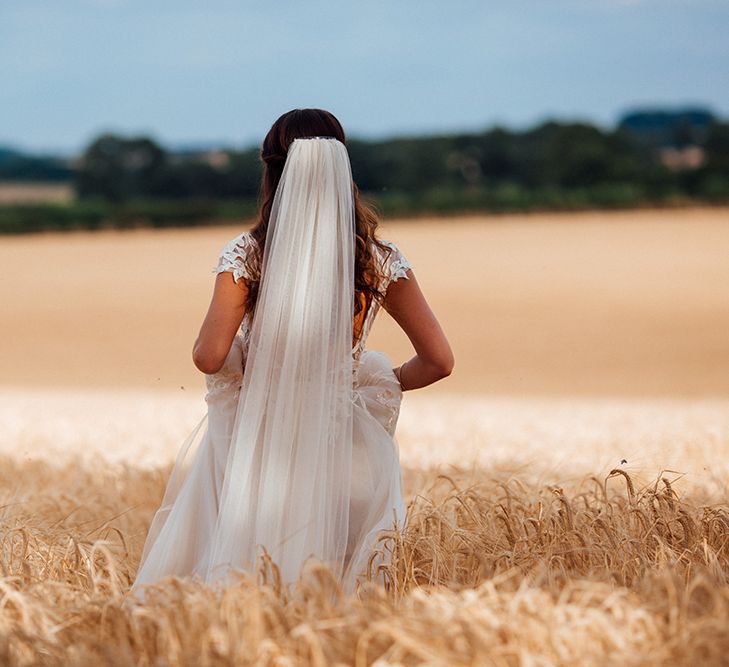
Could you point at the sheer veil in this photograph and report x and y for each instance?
(287, 475)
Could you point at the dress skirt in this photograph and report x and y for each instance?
(182, 528)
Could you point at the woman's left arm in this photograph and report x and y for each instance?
(221, 323)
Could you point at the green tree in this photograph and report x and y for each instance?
(116, 168)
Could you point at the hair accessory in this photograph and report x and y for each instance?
(277, 158)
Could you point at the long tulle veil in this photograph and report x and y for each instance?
(287, 476)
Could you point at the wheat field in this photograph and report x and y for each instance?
(35, 193)
(567, 486)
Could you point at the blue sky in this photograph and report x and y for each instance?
(223, 71)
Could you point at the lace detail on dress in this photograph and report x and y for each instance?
(233, 257)
(397, 264)
(230, 377)
(222, 383)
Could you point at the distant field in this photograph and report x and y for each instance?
(35, 193)
(601, 304)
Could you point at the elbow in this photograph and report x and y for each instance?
(206, 362)
(444, 366)
(207, 366)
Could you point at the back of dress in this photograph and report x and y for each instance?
(241, 257)
(242, 482)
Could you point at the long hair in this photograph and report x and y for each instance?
(292, 125)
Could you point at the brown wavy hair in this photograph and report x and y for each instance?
(292, 125)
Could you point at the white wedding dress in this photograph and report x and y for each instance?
(192, 497)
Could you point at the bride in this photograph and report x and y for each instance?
(296, 454)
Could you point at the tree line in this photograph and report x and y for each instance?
(648, 158)
(628, 162)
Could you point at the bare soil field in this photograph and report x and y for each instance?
(567, 486)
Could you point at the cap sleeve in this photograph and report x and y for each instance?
(234, 257)
(396, 264)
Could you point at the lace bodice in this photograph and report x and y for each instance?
(234, 258)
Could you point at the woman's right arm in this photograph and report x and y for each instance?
(221, 323)
(433, 359)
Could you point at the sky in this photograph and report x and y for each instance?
(222, 71)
